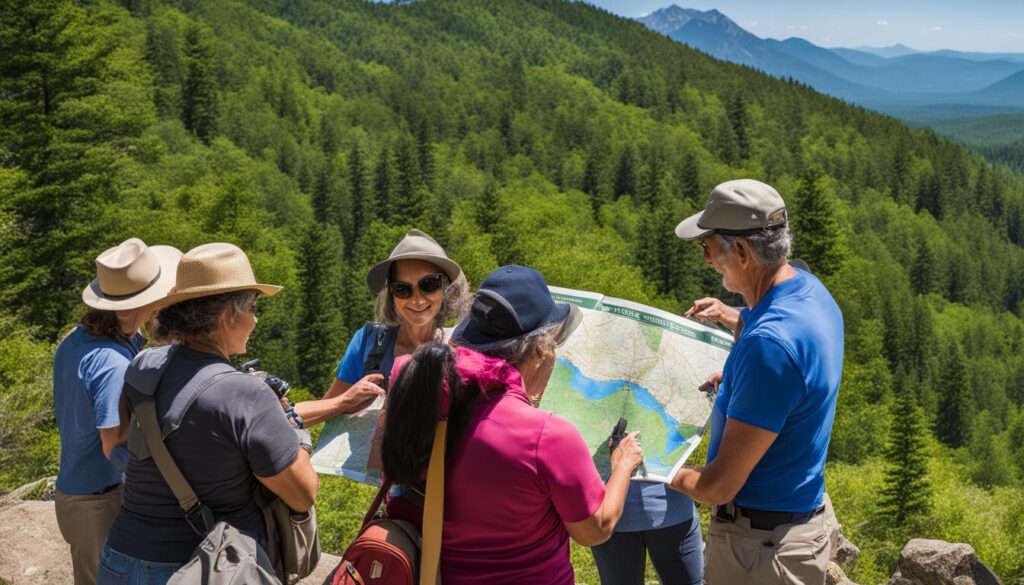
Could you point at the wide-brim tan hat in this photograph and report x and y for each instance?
(213, 269)
(416, 245)
(132, 275)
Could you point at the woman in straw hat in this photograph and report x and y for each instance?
(418, 289)
(88, 372)
(228, 433)
(519, 482)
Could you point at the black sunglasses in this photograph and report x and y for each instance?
(429, 284)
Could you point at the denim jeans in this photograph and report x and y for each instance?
(120, 569)
(675, 553)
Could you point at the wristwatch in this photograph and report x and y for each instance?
(305, 441)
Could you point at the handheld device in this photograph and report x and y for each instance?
(618, 433)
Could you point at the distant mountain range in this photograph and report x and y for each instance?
(887, 78)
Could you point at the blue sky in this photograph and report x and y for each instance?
(965, 25)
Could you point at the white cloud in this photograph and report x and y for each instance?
(883, 23)
(790, 27)
(753, 23)
(934, 28)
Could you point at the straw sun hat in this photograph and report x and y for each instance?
(213, 269)
(131, 275)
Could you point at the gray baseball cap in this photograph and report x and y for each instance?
(739, 207)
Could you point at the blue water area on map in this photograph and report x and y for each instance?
(598, 389)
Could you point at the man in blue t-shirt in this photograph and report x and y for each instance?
(88, 373)
(772, 418)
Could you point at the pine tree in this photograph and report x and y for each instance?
(321, 322)
(898, 175)
(689, 178)
(593, 175)
(907, 492)
(625, 174)
(929, 195)
(165, 61)
(922, 348)
(990, 453)
(952, 425)
(199, 87)
(327, 204)
(56, 140)
(425, 155)
(660, 255)
(321, 271)
(922, 271)
(816, 234)
(738, 120)
(490, 209)
(384, 185)
(725, 142)
(362, 197)
(410, 201)
(649, 189)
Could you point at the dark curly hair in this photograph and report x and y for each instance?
(196, 319)
(104, 324)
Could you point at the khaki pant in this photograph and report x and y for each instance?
(791, 554)
(84, 522)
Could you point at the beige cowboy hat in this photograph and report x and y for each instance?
(416, 245)
(131, 275)
(213, 269)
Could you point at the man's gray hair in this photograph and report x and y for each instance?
(770, 247)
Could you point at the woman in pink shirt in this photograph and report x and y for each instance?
(519, 481)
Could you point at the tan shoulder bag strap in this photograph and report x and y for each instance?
(433, 508)
(145, 414)
(198, 516)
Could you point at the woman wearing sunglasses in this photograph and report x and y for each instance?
(418, 288)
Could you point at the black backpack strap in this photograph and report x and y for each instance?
(383, 337)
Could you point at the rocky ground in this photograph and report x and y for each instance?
(32, 551)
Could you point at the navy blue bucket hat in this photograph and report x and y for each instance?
(512, 302)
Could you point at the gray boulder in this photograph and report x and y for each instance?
(935, 562)
(834, 575)
(845, 554)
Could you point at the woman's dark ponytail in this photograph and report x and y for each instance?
(413, 408)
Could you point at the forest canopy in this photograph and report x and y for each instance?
(314, 133)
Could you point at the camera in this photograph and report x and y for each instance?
(279, 386)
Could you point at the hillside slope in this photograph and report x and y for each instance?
(314, 132)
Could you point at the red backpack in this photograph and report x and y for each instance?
(387, 551)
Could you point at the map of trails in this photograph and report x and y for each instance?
(349, 445)
(639, 363)
(624, 360)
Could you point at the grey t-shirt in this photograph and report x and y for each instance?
(235, 429)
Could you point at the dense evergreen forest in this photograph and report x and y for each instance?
(313, 133)
(997, 138)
